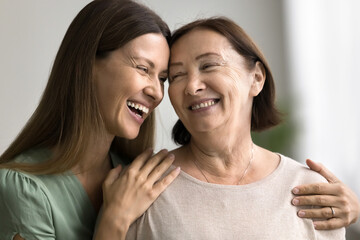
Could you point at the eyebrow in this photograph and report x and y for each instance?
(196, 58)
(207, 54)
(146, 60)
(152, 65)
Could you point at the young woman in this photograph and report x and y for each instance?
(107, 79)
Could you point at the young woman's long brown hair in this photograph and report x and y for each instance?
(68, 111)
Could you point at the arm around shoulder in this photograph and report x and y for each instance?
(25, 209)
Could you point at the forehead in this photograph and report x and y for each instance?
(148, 44)
(199, 41)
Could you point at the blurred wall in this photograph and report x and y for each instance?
(323, 40)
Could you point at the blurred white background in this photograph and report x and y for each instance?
(312, 47)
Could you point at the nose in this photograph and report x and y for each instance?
(194, 84)
(154, 90)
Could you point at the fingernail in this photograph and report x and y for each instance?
(295, 190)
(295, 201)
(301, 214)
(171, 156)
(177, 169)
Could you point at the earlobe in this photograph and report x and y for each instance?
(259, 76)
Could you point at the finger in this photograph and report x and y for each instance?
(141, 159)
(112, 175)
(330, 177)
(316, 188)
(319, 213)
(161, 185)
(153, 162)
(159, 170)
(315, 200)
(332, 223)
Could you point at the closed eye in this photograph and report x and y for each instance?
(176, 75)
(208, 66)
(142, 68)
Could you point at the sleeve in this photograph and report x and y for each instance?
(131, 234)
(24, 208)
(336, 234)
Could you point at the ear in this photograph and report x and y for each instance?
(259, 76)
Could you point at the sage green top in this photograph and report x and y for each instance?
(44, 206)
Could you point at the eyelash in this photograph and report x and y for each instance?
(208, 65)
(146, 70)
(175, 76)
(142, 68)
(203, 67)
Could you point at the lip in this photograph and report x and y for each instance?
(142, 103)
(136, 117)
(205, 100)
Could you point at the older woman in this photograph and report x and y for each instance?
(229, 188)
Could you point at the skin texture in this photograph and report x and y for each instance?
(136, 73)
(141, 185)
(129, 192)
(336, 194)
(184, 70)
(208, 61)
(204, 68)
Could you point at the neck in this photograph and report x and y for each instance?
(96, 156)
(93, 168)
(222, 161)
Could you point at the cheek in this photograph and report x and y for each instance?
(237, 84)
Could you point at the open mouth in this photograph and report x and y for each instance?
(138, 109)
(204, 104)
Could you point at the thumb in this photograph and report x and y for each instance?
(113, 175)
(323, 171)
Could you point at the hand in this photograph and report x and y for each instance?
(336, 194)
(128, 193)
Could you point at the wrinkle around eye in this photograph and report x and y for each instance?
(142, 68)
(176, 76)
(209, 66)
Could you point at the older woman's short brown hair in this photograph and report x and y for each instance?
(264, 113)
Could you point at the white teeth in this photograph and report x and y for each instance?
(203, 105)
(138, 106)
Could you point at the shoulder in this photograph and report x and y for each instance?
(298, 171)
(25, 207)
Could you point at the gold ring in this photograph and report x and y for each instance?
(332, 211)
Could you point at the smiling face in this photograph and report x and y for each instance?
(211, 86)
(129, 83)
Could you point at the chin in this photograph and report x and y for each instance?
(131, 135)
